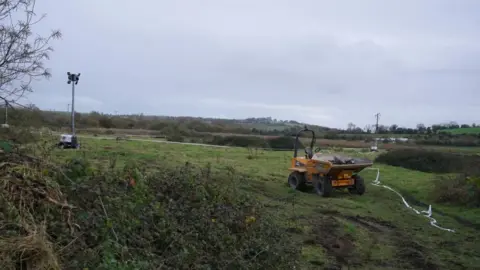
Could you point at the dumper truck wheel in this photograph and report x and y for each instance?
(359, 186)
(323, 186)
(296, 180)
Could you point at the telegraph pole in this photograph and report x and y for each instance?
(73, 79)
(376, 126)
(375, 145)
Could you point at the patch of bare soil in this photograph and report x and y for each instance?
(327, 232)
(409, 253)
(412, 252)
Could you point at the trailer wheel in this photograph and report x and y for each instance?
(296, 180)
(323, 186)
(359, 186)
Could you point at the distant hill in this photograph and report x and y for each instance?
(34, 117)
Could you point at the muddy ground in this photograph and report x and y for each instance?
(344, 250)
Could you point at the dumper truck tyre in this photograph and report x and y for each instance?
(296, 180)
(359, 186)
(323, 186)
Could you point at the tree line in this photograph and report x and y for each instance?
(396, 129)
(191, 127)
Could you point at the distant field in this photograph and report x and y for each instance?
(117, 131)
(380, 135)
(325, 143)
(322, 143)
(473, 130)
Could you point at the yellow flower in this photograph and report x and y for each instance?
(250, 219)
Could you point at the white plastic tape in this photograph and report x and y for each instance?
(427, 213)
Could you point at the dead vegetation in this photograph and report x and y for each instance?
(25, 239)
(459, 189)
(80, 217)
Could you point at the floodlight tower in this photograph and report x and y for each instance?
(73, 79)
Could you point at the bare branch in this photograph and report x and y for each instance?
(22, 53)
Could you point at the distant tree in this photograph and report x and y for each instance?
(400, 130)
(436, 128)
(382, 129)
(368, 128)
(393, 128)
(358, 130)
(464, 126)
(31, 107)
(22, 53)
(350, 126)
(421, 128)
(453, 125)
(106, 122)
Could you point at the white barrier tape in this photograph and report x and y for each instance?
(427, 213)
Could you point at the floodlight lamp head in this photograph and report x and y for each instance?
(69, 81)
(68, 73)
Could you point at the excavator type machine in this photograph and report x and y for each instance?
(325, 172)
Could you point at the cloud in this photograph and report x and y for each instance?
(293, 110)
(324, 62)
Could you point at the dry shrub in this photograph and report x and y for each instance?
(31, 251)
(18, 135)
(131, 218)
(458, 189)
(27, 194)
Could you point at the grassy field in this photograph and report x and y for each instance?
(325, 143)
(472, 130)
(373, 231)
(322, 143)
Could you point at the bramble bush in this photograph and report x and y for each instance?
(459, 189)
(133, 218)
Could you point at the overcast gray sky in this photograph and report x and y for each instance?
(321, 62)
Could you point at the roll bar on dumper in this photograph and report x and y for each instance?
(325, 172)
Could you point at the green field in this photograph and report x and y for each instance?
(373, 231)
(472, 130)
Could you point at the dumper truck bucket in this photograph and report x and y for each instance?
(340, 163)
(354, 168)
